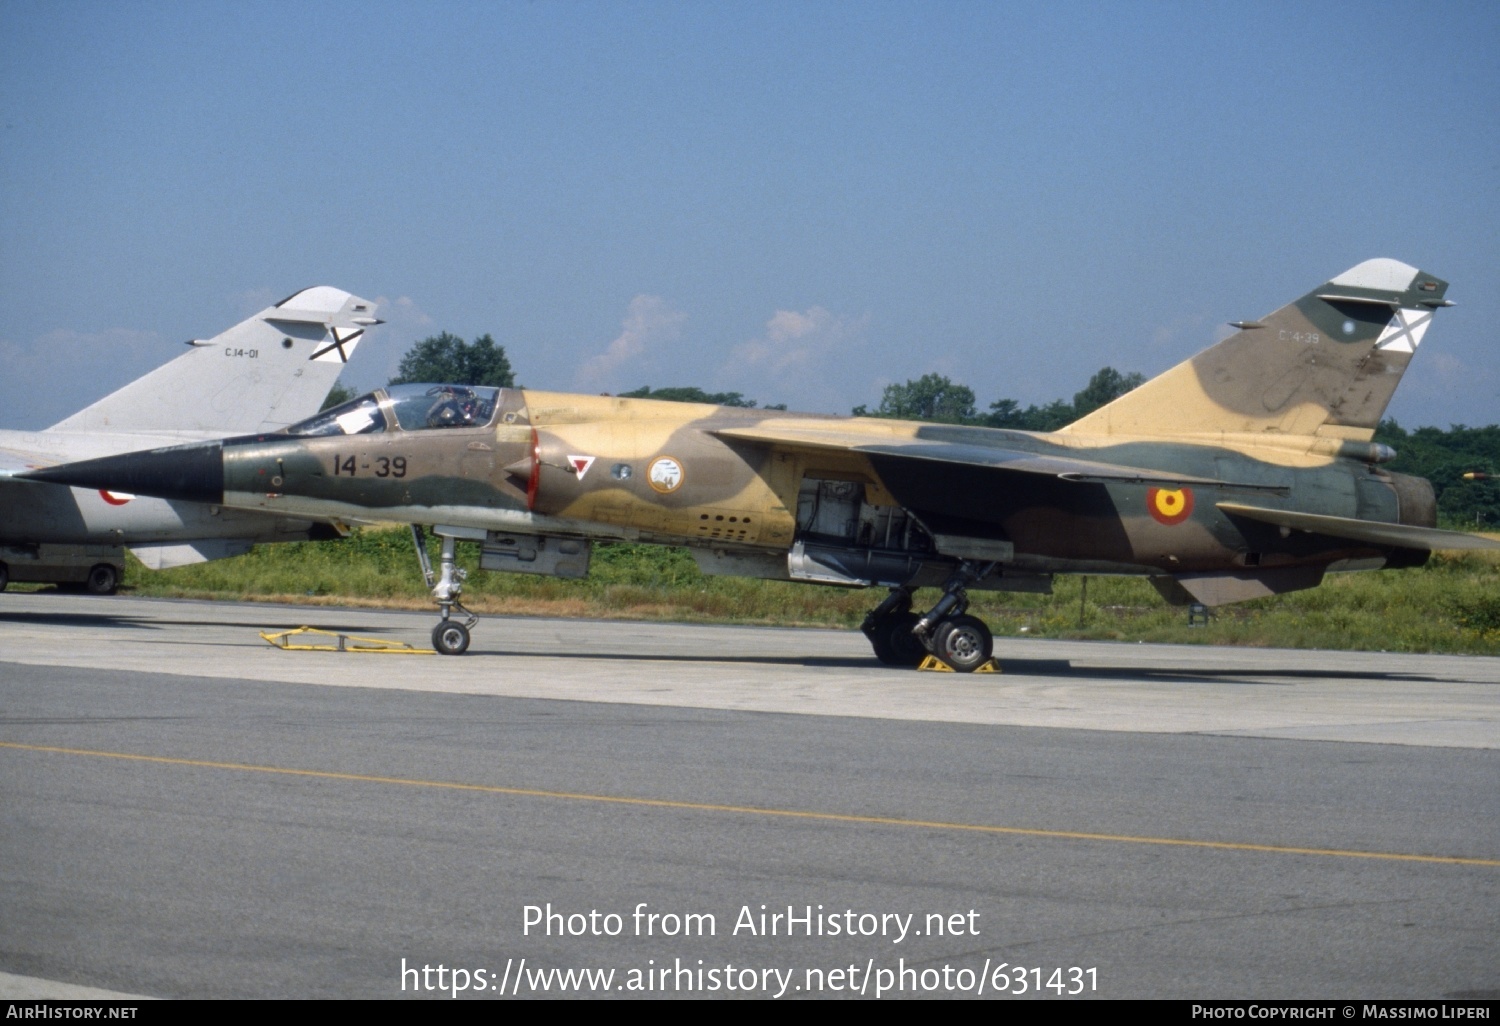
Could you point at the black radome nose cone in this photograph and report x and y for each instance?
(191, 473)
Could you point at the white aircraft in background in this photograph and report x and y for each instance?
(261, 375)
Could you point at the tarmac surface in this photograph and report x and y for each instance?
(186, 811)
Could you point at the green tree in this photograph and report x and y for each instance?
(338, 395)
(1105, 386)
(1444, 457)
(690, 394)
(1050, 417)
(935, 398)
(1006, 413)
(450, 360)
(930, 397)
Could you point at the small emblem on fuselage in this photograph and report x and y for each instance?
(1169, 505)
(665, 474)
(580, 464)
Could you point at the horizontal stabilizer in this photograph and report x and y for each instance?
(1404, 536)
(164, 557)
(1220, 589)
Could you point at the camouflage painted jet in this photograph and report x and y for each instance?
(1248, 470)
(263, 374)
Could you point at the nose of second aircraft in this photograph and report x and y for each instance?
(191, 473)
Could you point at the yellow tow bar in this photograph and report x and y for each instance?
(344, 643)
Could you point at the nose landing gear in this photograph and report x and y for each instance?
(449, 637)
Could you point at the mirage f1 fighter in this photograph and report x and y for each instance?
(1248, 470)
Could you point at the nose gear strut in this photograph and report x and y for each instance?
(449, 637)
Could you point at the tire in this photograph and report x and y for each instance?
(103, 579)
(893, 641)
(880, 641)
(906, 648)
(4, 576)
(450, 638)
(963, 642)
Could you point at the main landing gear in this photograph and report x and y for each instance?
(449, 637)
(902, 638)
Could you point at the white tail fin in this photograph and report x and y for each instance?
(260, 375)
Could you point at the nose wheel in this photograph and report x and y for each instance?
(450, 636)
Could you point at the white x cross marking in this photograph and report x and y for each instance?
(339, 342)
(1403, 335)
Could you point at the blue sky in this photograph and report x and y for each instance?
(802, 202)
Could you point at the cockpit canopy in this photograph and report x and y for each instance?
(412, 407)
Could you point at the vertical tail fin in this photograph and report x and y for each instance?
(1326, 364)
(262, 374)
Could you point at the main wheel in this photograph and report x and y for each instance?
(893, 641)
(963, 642)
(450, 638)
(4, 576)
(880, 641)
(103, 579)
(906, 648)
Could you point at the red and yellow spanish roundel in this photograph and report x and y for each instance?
(1170, 505)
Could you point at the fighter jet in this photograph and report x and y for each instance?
(1247, 470)
(265, 373)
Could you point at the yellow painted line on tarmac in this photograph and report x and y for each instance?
(750, 810)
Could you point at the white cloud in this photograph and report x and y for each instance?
(649, 321)
(402, 310)
(794, 340)
(797, 355)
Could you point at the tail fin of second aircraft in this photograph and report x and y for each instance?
(1326, 364)
(262, 374)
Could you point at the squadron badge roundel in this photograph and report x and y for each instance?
(1169, 505)
(665, 474)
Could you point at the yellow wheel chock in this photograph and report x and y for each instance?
(345, 643)
(935, 665)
